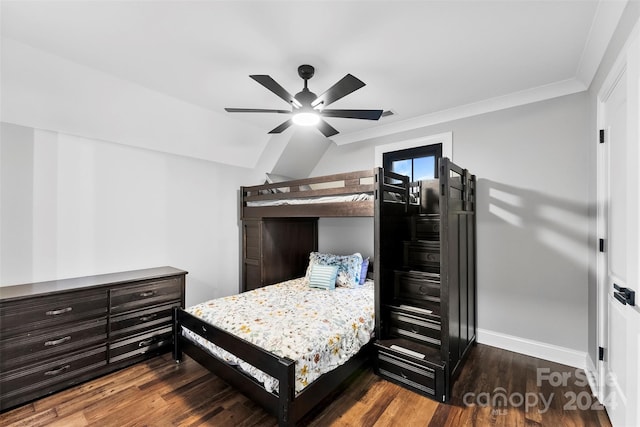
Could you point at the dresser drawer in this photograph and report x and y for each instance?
(48, 375)
(34, 314)
(31, 348)
(405, 371)
(426, 227)
(422, 254)
(417, 286)
(145, 295)
(143, 320)
(417, 328)
(151, 342)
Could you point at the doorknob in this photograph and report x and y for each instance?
(624, 295)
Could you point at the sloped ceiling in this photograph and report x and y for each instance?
(172, 66)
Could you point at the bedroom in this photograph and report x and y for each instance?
(96, 183)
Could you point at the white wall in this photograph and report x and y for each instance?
(44, 91)
(531, 163)
(75, 206)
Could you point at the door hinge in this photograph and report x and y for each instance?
(600, 353)
(601, 245)
(601, 136)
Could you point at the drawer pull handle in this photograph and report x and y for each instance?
(403, 375)
(147, 318)
(422, 290)
(57, 371)
(146, 294)
(61, 311)
(58, 341)
(145, 343)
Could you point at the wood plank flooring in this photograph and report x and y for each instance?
(495, 388)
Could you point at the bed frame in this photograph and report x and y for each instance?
(366, 181)
(286, 405)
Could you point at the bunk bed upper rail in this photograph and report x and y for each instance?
(343, 194)
(336, 184)
(339, 195)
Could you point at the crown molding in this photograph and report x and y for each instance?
(540, 93)
(605, 21)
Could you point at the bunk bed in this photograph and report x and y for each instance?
(424, 281)
(283, 232)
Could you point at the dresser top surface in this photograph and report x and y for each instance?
(61, 285)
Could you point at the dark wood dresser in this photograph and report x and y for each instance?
(276, 249)
(60, 333)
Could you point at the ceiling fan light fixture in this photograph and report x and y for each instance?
(308, 109)
(306, 118)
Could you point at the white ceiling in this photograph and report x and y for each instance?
(418, 58)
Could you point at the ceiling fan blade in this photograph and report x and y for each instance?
(326, 129)
(353, 114)
(275, 87)
(255, 110)
(282, 127)
(341, 89)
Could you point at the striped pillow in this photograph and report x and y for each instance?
(323, 276)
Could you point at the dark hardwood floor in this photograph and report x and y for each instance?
(496, 388)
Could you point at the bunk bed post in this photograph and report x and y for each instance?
(445, 201)
(286, 393)
(242, 203)
(472, 258)
(377, 223)
(177, 348)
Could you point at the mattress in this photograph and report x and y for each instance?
(309, 200)
(318, 329)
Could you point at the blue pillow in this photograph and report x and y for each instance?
(363, 272)
(349, 267)
(323, 276)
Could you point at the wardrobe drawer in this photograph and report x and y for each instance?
(422, 254)
(143, 320)
(34, 314)
(146, 295)
(151, 342)
(420, 329)
(426, 228)
(417, 286)
(45, 375)
(27, 349)
(406, 372)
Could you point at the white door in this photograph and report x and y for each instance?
(619, 225)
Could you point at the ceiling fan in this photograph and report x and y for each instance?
(307, 109)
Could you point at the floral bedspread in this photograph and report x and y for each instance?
(318, 329)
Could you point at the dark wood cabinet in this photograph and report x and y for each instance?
(276, 249)
(59, 333)
(426, 289)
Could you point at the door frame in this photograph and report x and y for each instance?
(626, 64)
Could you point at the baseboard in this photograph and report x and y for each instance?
(592, 377)
(553, 353)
